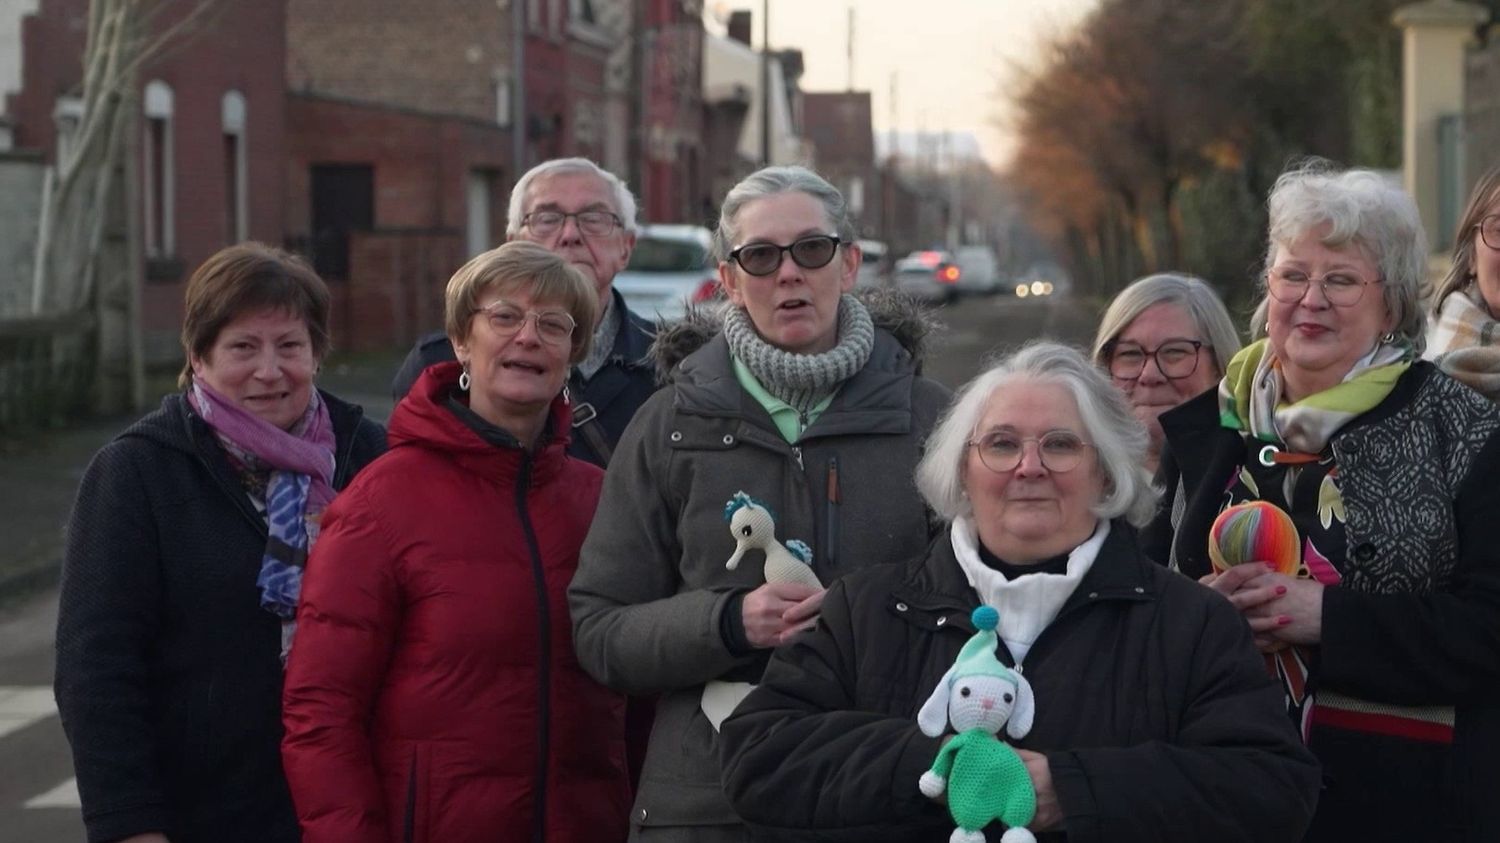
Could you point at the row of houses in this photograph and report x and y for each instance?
(381, 137)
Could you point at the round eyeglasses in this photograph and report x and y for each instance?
(813, 252)
(553, 326)
(591, 223)
(1175, 359)
(1342, 289)
(1489, 230)
(1002, 451)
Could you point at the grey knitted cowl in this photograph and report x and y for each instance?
(802, 380)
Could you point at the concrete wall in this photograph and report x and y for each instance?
(20, 207)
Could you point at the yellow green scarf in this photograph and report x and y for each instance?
(1251, 396)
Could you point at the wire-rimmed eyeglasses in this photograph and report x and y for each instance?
(591, 223)
(552, 326)
(1342, 289)
(1002, 451)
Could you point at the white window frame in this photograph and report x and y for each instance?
(67, 115)
(234, 114)
(158, 106)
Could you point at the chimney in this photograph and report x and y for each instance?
(739, 26)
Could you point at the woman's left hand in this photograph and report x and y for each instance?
(1048, 812)
(1297, 611)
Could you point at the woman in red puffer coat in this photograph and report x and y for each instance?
(432, 692)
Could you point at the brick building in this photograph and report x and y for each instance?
(839, 127)
(211, 130)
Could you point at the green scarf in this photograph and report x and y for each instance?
(1251, 396)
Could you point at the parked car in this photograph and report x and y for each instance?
(930, 276)
(874, 271)
(979, 272)
(670, 268)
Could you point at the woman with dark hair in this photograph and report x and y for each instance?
(184, 560)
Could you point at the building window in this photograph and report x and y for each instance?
(236, 183)
(157, 176)
(67, 115)
(504, 99)
(583, 12)
(534, 21)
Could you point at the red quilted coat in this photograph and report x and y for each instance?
(432, 694)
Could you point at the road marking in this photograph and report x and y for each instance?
(64, 795)
(23, 705)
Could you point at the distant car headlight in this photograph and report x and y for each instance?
(1022, 291)
(1046, 288)
(1038, 288)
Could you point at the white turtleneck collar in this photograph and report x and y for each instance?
(1028, 603)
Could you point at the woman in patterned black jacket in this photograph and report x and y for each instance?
(1385, 634)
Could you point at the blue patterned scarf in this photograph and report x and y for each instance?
(300, 463)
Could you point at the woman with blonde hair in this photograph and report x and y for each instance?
(433, 694)
(1463, 334)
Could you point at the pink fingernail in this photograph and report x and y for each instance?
(1280, 590)
(1283, 620)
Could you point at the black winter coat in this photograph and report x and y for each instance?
(615, 392)
(1416, 619)
(168, 671)
(1156, 716)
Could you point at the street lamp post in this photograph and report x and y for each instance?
(765, 83)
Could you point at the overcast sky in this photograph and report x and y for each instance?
(951, 58)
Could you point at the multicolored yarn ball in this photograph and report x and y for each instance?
(1254, 531)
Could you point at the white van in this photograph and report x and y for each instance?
(874, 270)
(979, 271)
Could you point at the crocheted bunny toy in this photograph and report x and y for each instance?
(984, 777)
(753, 528)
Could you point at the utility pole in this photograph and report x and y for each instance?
(851, 49)
(518, 100)
(765, 83)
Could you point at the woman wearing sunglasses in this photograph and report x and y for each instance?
(1385, 639)
(1153, 720)
(432, 694)
(800, 401)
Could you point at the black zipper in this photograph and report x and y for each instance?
(544, 661)
(409, 824)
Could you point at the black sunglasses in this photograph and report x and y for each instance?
(813, 252)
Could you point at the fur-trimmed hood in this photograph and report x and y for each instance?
(892, 311)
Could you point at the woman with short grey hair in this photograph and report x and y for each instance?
(806, 405)
(1164, 339)
(1107, 424)
(1152, 719)
(1382, 624)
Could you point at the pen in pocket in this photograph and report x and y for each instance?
(833, 511)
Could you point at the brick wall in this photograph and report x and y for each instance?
(395, 289)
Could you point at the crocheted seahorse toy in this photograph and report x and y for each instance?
(984, 777)
(753, 528)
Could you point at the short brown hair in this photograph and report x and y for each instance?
(510, 267)
(250, 278)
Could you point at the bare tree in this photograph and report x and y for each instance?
(89, 191)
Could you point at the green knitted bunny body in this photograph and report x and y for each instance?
(987, 781)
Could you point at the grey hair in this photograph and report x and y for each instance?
(1117, 436)
(770, 181)
(624, 200)
(1188, 292)
(1360, 207)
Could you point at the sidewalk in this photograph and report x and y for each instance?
(39, 473)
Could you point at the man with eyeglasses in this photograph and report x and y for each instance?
(587, 215)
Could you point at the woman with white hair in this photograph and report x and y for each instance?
(1153, 718)
(1164, 339)
(1384, 630)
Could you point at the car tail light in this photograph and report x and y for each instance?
(948, 275)
(707, 291)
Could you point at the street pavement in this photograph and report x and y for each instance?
(38, 478)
